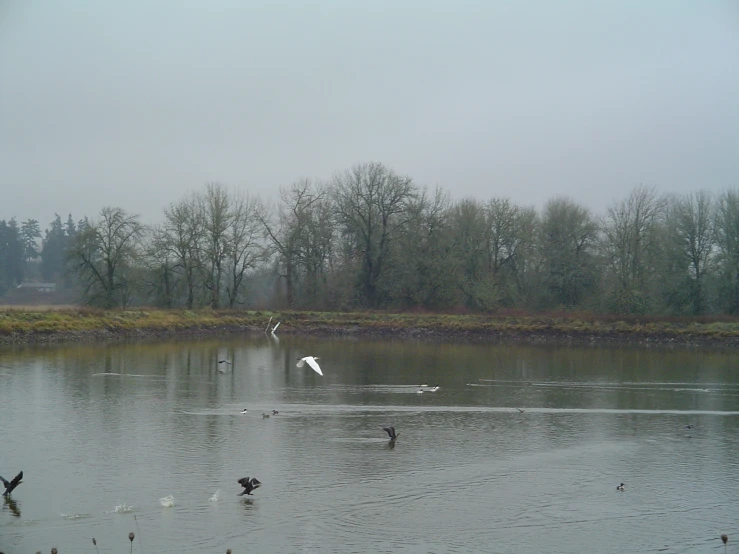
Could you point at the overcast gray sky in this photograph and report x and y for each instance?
(135, 103)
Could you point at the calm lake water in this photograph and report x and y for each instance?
(102, 432)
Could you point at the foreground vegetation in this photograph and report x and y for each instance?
(75, 324)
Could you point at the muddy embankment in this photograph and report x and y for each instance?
(84, 325)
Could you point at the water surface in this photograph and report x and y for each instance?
(103, 432)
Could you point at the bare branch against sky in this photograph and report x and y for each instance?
(133, 104)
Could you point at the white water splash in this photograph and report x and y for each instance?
(167, 501)
(122, 508)
(215, 496)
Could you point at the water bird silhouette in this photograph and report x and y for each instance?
(275, 412)
(244, 411)
(391, 432)
(311, 361)
(11, 485)
(224, 362)
(620, 487)
(249, 485)
(265, 416)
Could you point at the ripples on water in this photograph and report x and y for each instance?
(468, 472)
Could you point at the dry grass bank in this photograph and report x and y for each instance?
(54, 323)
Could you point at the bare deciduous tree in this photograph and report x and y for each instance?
(631, 247)
(511, 238)
(727, 241)
(302, 234)
(245, 249)
(424, 272)
(372, 207)
(469, 236)
(160, 278)
(103, 252)
(568, 238)
(690, 227)
(215, 218)
(180, 235)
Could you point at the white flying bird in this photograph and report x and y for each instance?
(311, 362)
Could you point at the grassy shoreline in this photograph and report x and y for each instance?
(43, 325)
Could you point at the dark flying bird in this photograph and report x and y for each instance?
(391, 432)
(10, 485)
(249, 485)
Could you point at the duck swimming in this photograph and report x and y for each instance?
(249, 485)
(265, 415)
(620, 487)
(391, 432)
(275, 412)
(243, 411)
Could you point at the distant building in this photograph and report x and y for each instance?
(39, 287)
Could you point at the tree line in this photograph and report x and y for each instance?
(370, 238)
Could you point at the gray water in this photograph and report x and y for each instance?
(103, 432)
